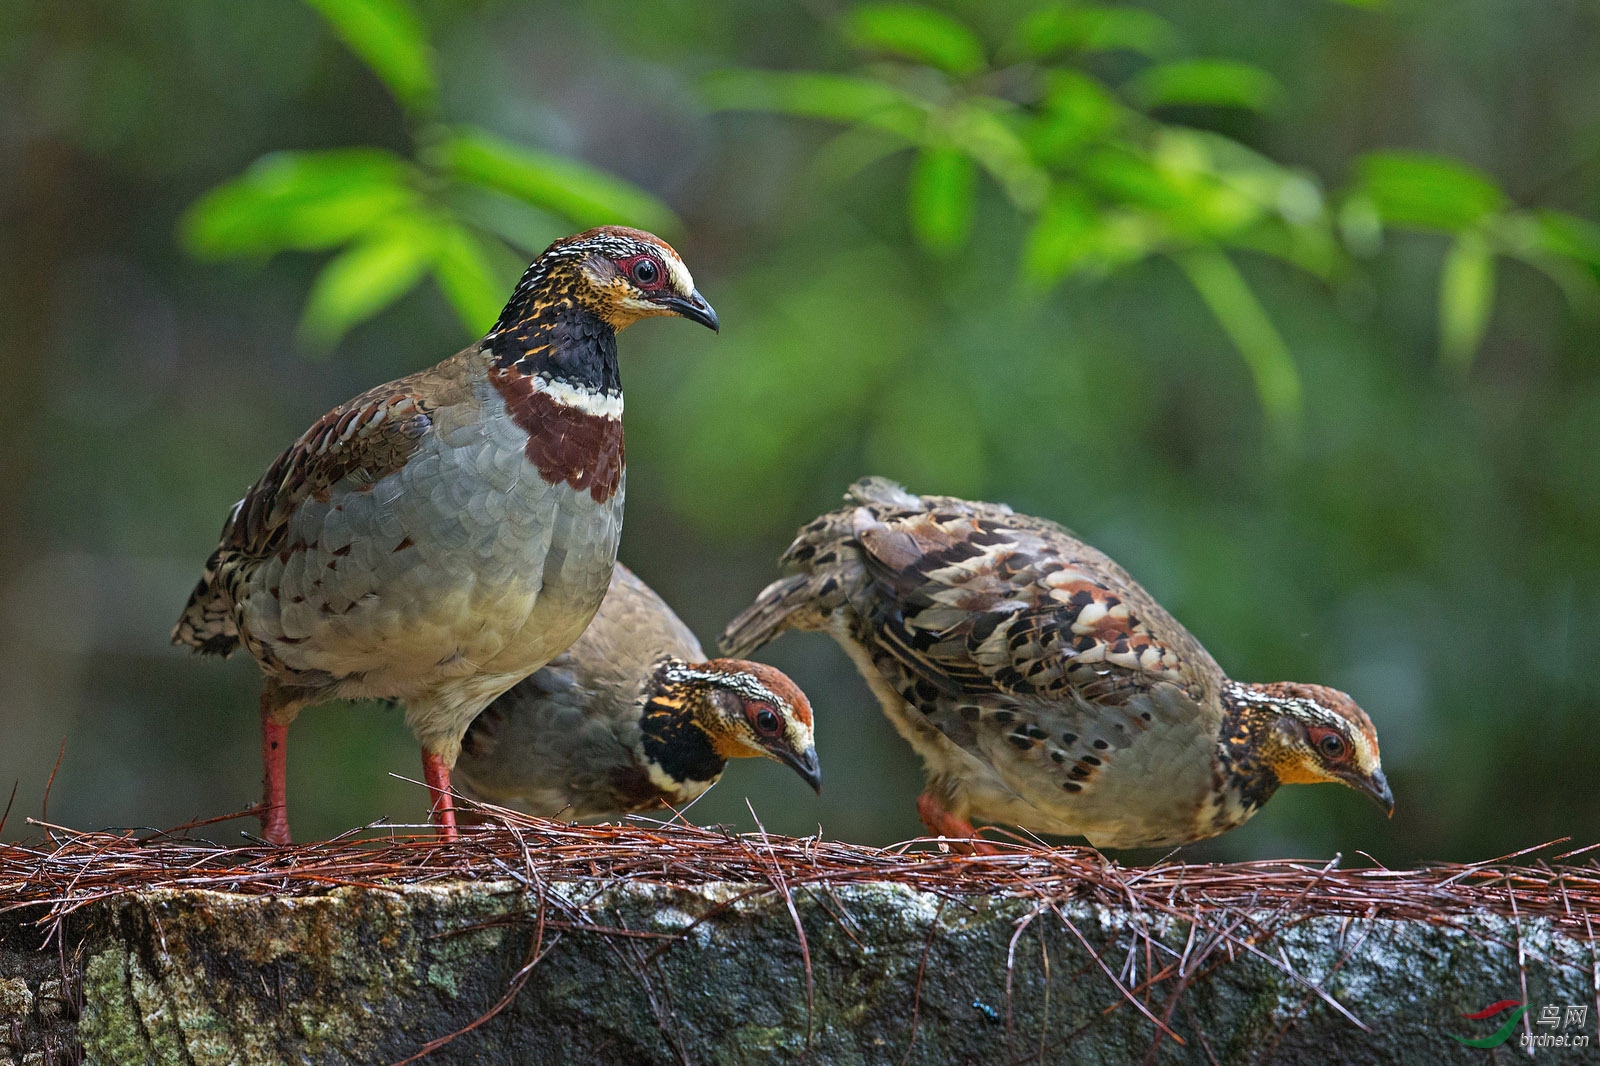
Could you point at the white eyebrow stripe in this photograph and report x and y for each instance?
(678, 274)
(1311, 708)
(745, 685)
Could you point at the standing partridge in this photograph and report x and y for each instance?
(631, 718)
(1041, 685)
(437, 539)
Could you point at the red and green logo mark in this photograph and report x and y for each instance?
(1504, 1032)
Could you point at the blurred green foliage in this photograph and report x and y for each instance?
(1108, 172)
(972, 246)
(396, 219)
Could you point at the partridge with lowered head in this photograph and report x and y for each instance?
(1042, 686)
(632, 718)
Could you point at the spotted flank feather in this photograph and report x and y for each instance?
(972, 599)
(347, 450)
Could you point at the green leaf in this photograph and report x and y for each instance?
(1126, 177)
(1361, 226)
(917, 33)
(528, 228)
(1246, 323)
(1091, 28)
(467, 277)
(1568, 236)
(299, 200)
(1077, 111)
(833, 97)
(366, 278)
(1062, 238)
(1205, 83)
(940, 199)
(389, 38)
(1466, 298)
(1427, 191)
(584, 194)
(851, 151)
(988, 137)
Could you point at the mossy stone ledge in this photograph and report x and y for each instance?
(636, 973)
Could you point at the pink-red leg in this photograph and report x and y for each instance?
(959, 831)
(436, 772)
(275, 761)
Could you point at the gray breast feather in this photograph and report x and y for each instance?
(555, 744)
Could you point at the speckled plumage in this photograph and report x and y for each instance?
(1042, 686)
(610, 725)
(438, 538)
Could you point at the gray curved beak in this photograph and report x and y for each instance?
(695, 308)
(806, 765)
(1375, 788)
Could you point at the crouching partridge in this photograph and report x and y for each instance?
(437, 539)
(631, 718)
(1041, 685)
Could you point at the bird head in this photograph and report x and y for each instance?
(743, 710)
(1308, 734)
(618, 274)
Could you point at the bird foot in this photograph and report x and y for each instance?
(964, 839)
(275, 827)
(436, 772)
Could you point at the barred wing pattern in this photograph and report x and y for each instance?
(1037, 679)
(357, 443)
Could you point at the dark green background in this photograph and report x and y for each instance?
(1426, 539)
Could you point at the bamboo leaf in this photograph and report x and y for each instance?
(833, 97)
(1568, 236)
(1205, 83)
(584, 194)
(299, 200)
(1466, 298)
(1427, 191)
(389, 38)
(1062, 238)
(920, 34)
(940, 200)
(1093, 28)
(1245, 321)
(989, 139)
(364, 279)
(467, 277)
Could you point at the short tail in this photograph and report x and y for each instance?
(781, 605)
(828, 567)
(206, 624)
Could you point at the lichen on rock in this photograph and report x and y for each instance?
(641, 973)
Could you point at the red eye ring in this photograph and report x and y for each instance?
(645, 271)
(1329, 744)
(764, 719)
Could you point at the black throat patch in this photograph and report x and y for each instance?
(1239, 754)
(557, 340)
(675, 743)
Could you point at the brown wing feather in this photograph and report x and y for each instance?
(1021, 663)
(976, 600)
(357, 444)
(982, 603)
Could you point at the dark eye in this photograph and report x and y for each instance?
(767, 720)
(646, 273)
(1331, 746)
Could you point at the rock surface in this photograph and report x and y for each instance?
(641, 974)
